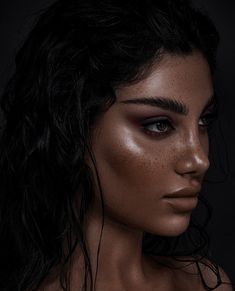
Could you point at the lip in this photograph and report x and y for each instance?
(183, 200)
(184, 193)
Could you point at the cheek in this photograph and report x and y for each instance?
(133, 173)
(206, 144)
(132, 161)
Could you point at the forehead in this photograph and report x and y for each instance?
(186, 78)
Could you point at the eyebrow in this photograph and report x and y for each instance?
(166, 103)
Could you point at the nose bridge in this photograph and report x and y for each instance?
(194, 156)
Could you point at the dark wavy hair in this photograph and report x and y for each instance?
(66, 73)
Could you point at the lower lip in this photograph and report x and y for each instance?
(182, 203)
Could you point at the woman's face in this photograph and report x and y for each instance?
(151, 146)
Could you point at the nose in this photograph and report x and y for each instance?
(193, 158)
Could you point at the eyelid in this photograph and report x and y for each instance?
(211, 113)
(156, 119)
(212, 109)
(211, 117)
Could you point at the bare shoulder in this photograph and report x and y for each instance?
(208, 275)
(192, 274)
(225, 285)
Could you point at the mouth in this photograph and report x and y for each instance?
(184, 200)
(184, 193)
(182, 204)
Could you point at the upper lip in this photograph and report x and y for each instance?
(184, 193)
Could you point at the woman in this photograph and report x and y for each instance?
(105, 147)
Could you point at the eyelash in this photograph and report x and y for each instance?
(210, 118)
(161, 121)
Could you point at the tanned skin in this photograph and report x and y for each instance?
(138, 167)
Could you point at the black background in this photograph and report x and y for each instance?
(16, 18)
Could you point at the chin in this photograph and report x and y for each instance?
(173, 226)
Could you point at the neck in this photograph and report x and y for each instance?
(120, 257)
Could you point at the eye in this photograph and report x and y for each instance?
(208, 119)
(158, 126)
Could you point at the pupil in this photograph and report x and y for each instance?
(161, 126)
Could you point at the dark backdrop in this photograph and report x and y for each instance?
(16, 18)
